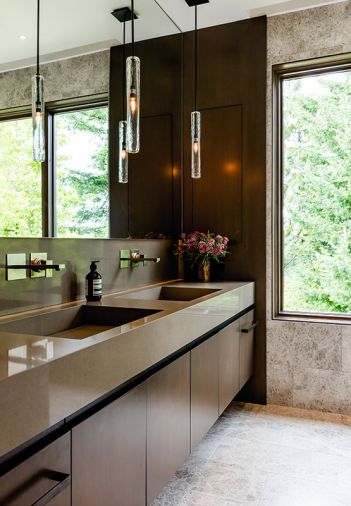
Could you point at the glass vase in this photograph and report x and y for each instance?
(203, 271)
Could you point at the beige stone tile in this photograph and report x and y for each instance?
(346, 348)
(279, 384)
(322, 390)
(174, 494)
(310, 30)
(280, 343)
(282, 491)
(317, 346)
(195, 498)
(227, 482)
(308, 461)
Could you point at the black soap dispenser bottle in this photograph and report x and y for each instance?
(93, 283)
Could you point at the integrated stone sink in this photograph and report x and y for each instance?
(171, 293)
(77, 322)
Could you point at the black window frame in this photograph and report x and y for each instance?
(281, 72)
(48, 167)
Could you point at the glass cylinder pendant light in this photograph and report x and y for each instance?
(196, 144)
(133, 97)
(195, 124)
(122, 127)
(38, 105)
(123, 153)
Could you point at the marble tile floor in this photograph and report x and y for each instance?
(267, 456)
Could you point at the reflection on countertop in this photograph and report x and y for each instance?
(45, 379)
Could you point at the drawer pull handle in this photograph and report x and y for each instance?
(248, 329)
(64, 480)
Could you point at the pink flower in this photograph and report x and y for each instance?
(202, 248)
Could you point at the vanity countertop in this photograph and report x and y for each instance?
(46, 380)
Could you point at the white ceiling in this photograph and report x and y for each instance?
(73, 27)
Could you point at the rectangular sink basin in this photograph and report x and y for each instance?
(172, 293)
(77, 322)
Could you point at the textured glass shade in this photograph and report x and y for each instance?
(122, 153)
(38, 115)
(133, 104)
(195, 145)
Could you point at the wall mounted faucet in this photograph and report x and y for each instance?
(133, 257)
(39, 266)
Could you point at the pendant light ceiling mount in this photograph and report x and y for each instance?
(192, 3)
(124, 14)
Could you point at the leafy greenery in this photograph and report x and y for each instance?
(82, 176)
(82, 192)
(20, 189)
(317, 193)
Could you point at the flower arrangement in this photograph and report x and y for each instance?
(200, 248)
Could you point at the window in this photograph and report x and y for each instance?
(20, 189)
(314, 215)
(82, 197)
(68, 196)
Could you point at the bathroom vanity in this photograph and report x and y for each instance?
(101, 403)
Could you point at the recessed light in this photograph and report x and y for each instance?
(22, 37)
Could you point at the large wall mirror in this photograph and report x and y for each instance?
(75, 192)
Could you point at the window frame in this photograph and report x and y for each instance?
(48, 167)
(281, 72)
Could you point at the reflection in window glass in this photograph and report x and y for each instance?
(317, 193)
(82, 193)
(20, 189)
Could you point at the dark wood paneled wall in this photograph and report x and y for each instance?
(230, 198)
(151, 202)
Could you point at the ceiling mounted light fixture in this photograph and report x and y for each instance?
(133, 96)
(195, 119)
(38, 105)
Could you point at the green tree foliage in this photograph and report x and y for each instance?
(317, 193)
(82, 187)
(82, 192)
(20, 189)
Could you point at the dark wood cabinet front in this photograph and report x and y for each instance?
(204, 388)
(228, 365)
(44, 478)
(168, 423)
(109, 454)
(246, 348)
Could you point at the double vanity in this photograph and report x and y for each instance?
(100, 403)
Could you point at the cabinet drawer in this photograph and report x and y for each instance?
(204, 389)
(109, 454)
(228, 364)
(246, 347)
(168, 423)
(42, 479)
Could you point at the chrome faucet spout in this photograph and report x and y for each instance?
(134, 258)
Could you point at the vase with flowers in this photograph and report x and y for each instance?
(199, 249)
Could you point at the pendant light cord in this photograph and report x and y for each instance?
(195, 57)
(38, 30)
(132, 9)
(123, 67)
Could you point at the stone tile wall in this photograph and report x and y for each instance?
(72, 77)
(308, 365)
